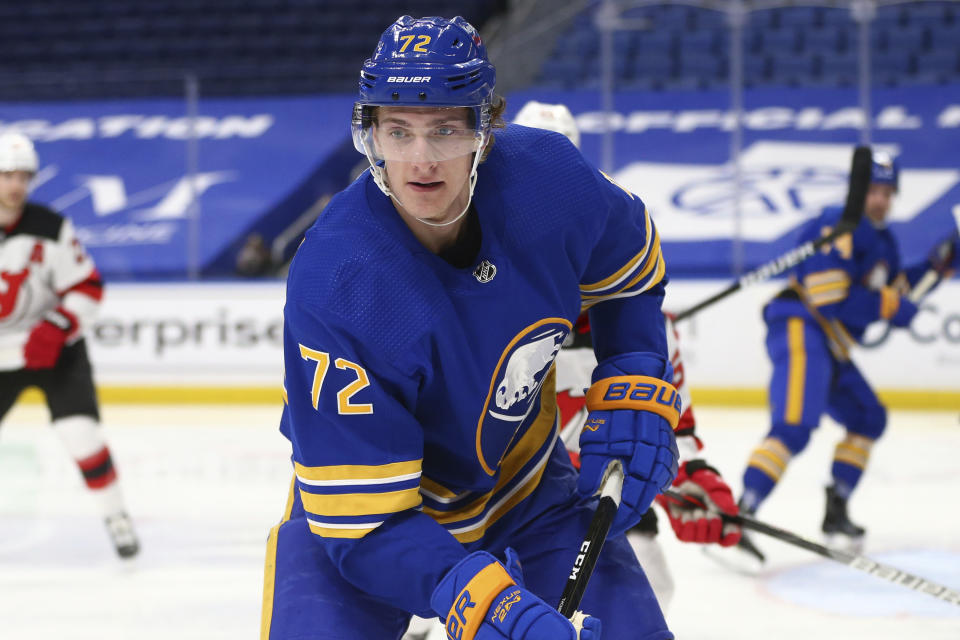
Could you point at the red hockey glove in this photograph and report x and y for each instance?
(705, 486)
(46, 340)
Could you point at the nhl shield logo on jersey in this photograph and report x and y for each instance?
(515, 386)
(485, 271)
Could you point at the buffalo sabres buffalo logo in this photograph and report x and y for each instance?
(515, 385)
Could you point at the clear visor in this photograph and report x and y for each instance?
(415, 134)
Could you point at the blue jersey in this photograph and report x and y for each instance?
(420, 397)
(841, 286)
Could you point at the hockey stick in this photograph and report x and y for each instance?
(862, 563)
(849, 219)
(592, 543)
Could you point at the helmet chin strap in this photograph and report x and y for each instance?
(380, 178)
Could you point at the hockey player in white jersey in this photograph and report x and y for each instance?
(49, 293)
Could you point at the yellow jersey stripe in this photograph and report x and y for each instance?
(589, 301)
(652, 261)
(822, 300)
(436, 491)
(288, 509)
(796, 379)
(514, 460)
(513, 498)
(328, 530)
(772, 457)
(764, 465)
(778, 448)
(827, 287)
(360, 504)
(269, 583)
(854, 461)
(853, 449)
(825, 276)
(349, 474)
(626, 269)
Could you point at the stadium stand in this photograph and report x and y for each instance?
(685, 46)
(67, 49)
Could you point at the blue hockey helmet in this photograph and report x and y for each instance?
(885, 170)
(426, 62)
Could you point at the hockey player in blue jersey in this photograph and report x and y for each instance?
(424, 311)
(812, 324)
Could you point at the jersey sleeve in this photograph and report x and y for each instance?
(75, 277)
(623, 283)
(357, 452)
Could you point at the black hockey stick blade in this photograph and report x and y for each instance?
(592, 544)
(849, 219)
(861, 563)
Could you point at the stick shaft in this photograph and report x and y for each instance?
(589, 551)
(862, 563)
(587, 557)
(852, 212)
(765, 272)
(855, 561)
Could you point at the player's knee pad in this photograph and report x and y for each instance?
(872, 423)
(793, 437)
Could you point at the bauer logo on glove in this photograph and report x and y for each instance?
(632, 419)
(636, 392)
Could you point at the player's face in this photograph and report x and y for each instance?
(14, 186)
(879, 199)
(428, 156)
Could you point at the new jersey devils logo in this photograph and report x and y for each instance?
(10, 284)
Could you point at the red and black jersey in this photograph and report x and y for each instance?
(42, 266)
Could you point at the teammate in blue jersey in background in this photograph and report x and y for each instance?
(811, 326)
(424, 311)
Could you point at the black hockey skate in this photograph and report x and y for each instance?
(120, 528)
(837, 527)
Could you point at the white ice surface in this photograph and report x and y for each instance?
(204, 485)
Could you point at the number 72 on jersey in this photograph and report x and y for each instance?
(344, 405)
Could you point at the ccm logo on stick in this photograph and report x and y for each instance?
(578, 563)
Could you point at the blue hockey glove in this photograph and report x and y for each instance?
(631, 418)
(480, 600)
